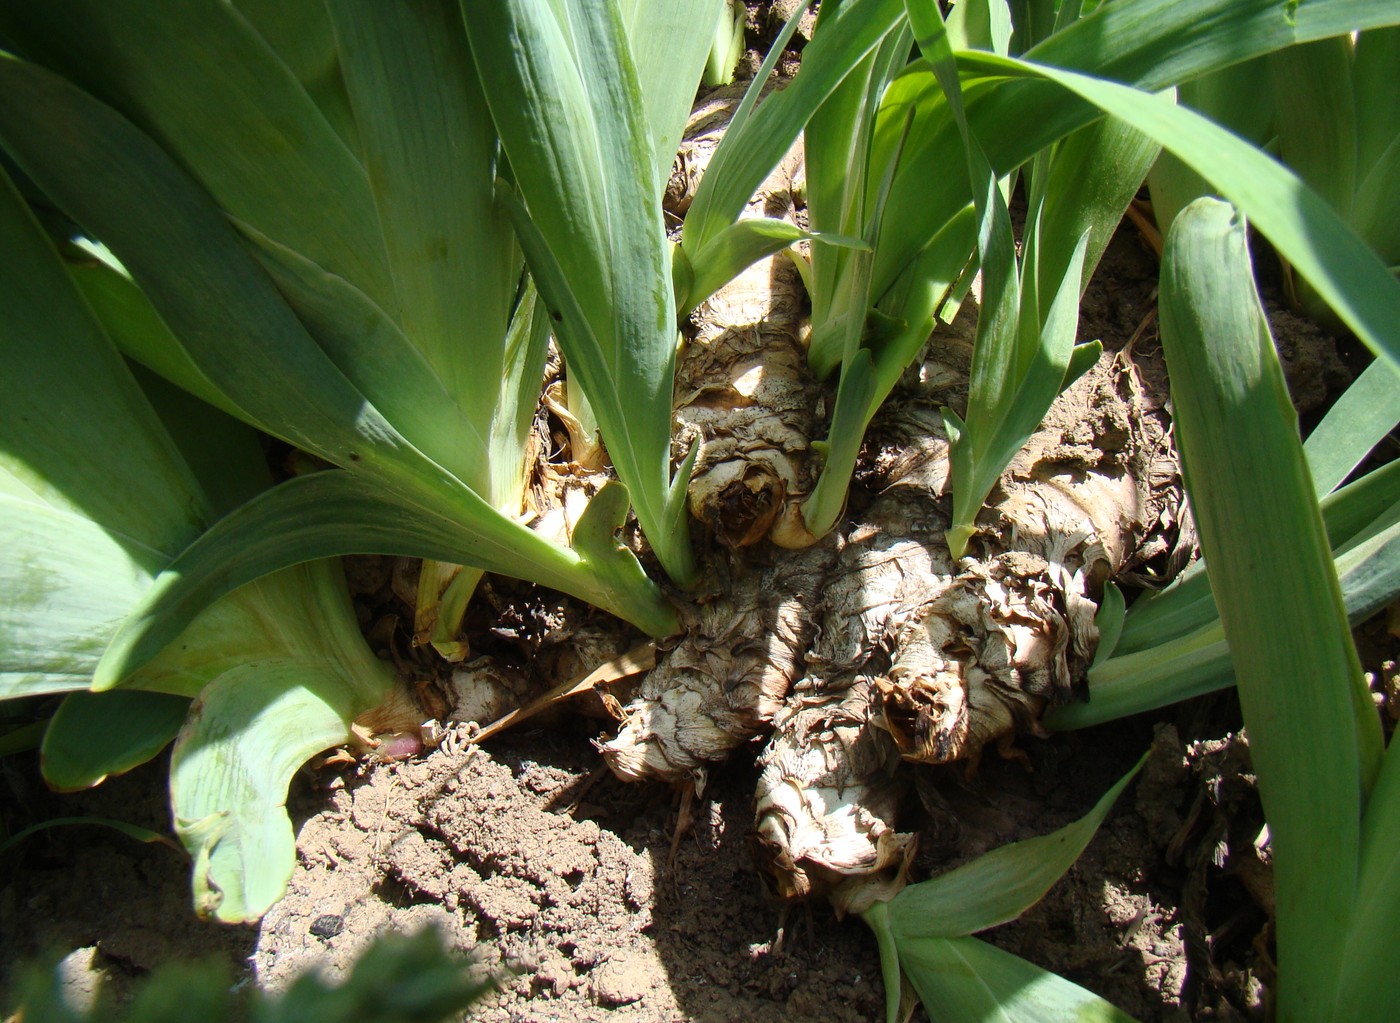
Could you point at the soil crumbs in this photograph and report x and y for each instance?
(556, 878)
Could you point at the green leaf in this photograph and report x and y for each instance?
(69, 395)
(1109, 621)
(968, 980)
(856, 400)
(328, 514)
(1359, 420)
(1000, 885)
(93, 736)
(258, 720)
(137, 329)
(1301, 226)
(670, 43)
(566, 100)
(300, 33)
(958, 977)
(432, 156)
(182, 252)
(1314, 738)
(1369, 981)
(135, 831)
(1177, 647)
(754, 145)
(198, 78)
(1156, 44)
(739, 246)
(83, 537)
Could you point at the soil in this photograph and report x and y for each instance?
(561, 880)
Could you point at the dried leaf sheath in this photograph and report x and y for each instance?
(921, 658)
(721, 684)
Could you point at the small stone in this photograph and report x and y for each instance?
(328, 926)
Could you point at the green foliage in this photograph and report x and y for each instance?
(97, 497)
(585, 163)
(1315, 740)
(924, 931)
(371, 330)
(396, 979)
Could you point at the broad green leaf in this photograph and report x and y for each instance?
(670, 43)
(247, 734)
(1218, 95)
(566, 100)
(1093, 175)
(254, 725)
(1314, 738)
(225, 455)
(1373, 85)
(201, 80)
(432, 155)
(83, 536)
(137, 329)
(299, 31)
(58, 613)
(332, 513)
(220, 303)
(96, 735)
(380, 361)
(966, 979)
(1000, 885)
(182, 252)
(69, 395)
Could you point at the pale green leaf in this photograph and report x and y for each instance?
(566, 100)
(1000, 885)
(968, 980)
(1314, 738)
(93, 736)
(201, 80)
(247, 734)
